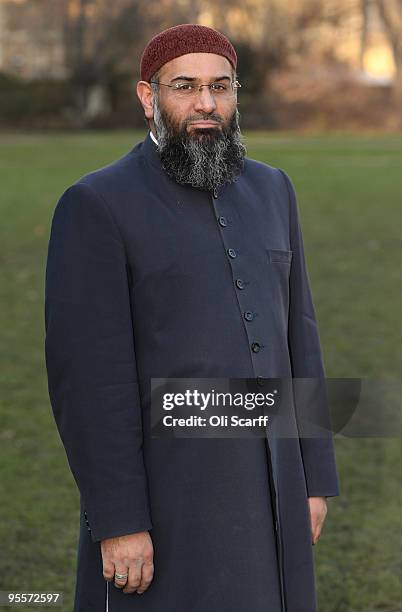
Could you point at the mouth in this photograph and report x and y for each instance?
(204, 124)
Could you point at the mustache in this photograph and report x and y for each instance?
(205, 118)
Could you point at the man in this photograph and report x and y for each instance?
(184, 259)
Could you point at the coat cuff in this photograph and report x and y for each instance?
(118, 517)
(320, 468)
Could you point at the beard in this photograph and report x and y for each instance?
(207, 158)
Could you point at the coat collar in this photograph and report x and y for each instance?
(149, 149)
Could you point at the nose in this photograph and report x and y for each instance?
(204, 101)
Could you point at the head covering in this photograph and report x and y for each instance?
(182, 39)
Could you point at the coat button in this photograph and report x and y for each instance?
(232, 253)
(248, 315)
(255, 347)
(240, 283)
(260, 381)
(222, 221)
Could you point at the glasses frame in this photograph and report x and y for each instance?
(235, 85)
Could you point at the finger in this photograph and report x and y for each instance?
(147, 575)
(120, 576)
(108, 570)
(317, 522)
(316, 535)
(313, 532)
(134, 576)
(313, 528)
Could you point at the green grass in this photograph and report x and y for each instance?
(349, 193)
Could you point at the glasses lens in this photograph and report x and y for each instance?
(184, 88)
(220, 90)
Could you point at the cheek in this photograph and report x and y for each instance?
(227, 112)
(178, 114)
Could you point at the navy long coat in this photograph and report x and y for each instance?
(146, 279)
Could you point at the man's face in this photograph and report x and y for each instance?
(199, 135)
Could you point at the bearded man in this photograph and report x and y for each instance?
(184, 259)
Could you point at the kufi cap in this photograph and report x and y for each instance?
(180, 40)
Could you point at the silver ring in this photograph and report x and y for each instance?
(120, 576)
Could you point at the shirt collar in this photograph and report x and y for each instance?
(153, 137)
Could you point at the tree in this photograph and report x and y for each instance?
(390, 12)
(102, 41)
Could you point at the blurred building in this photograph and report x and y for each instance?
(31, 38)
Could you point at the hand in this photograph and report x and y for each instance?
(132, 555)
(318, 512)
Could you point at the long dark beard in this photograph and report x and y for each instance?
(207, 160)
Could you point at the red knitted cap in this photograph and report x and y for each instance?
(182, 39)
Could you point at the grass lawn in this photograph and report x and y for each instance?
(349, 191)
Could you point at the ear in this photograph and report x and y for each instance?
(145, 95)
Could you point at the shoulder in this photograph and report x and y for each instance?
(103, 188)
(263, 175)
(115, 176)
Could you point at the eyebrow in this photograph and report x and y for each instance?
(186, 78)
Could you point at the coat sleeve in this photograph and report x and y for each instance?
(306, 359)
(91, 365)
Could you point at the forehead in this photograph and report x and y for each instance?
(199, 65)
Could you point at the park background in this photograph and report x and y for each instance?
(321, 98)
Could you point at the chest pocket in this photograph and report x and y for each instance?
(279, 265)
(280, 256)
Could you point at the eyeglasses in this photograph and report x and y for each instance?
(188, 90)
